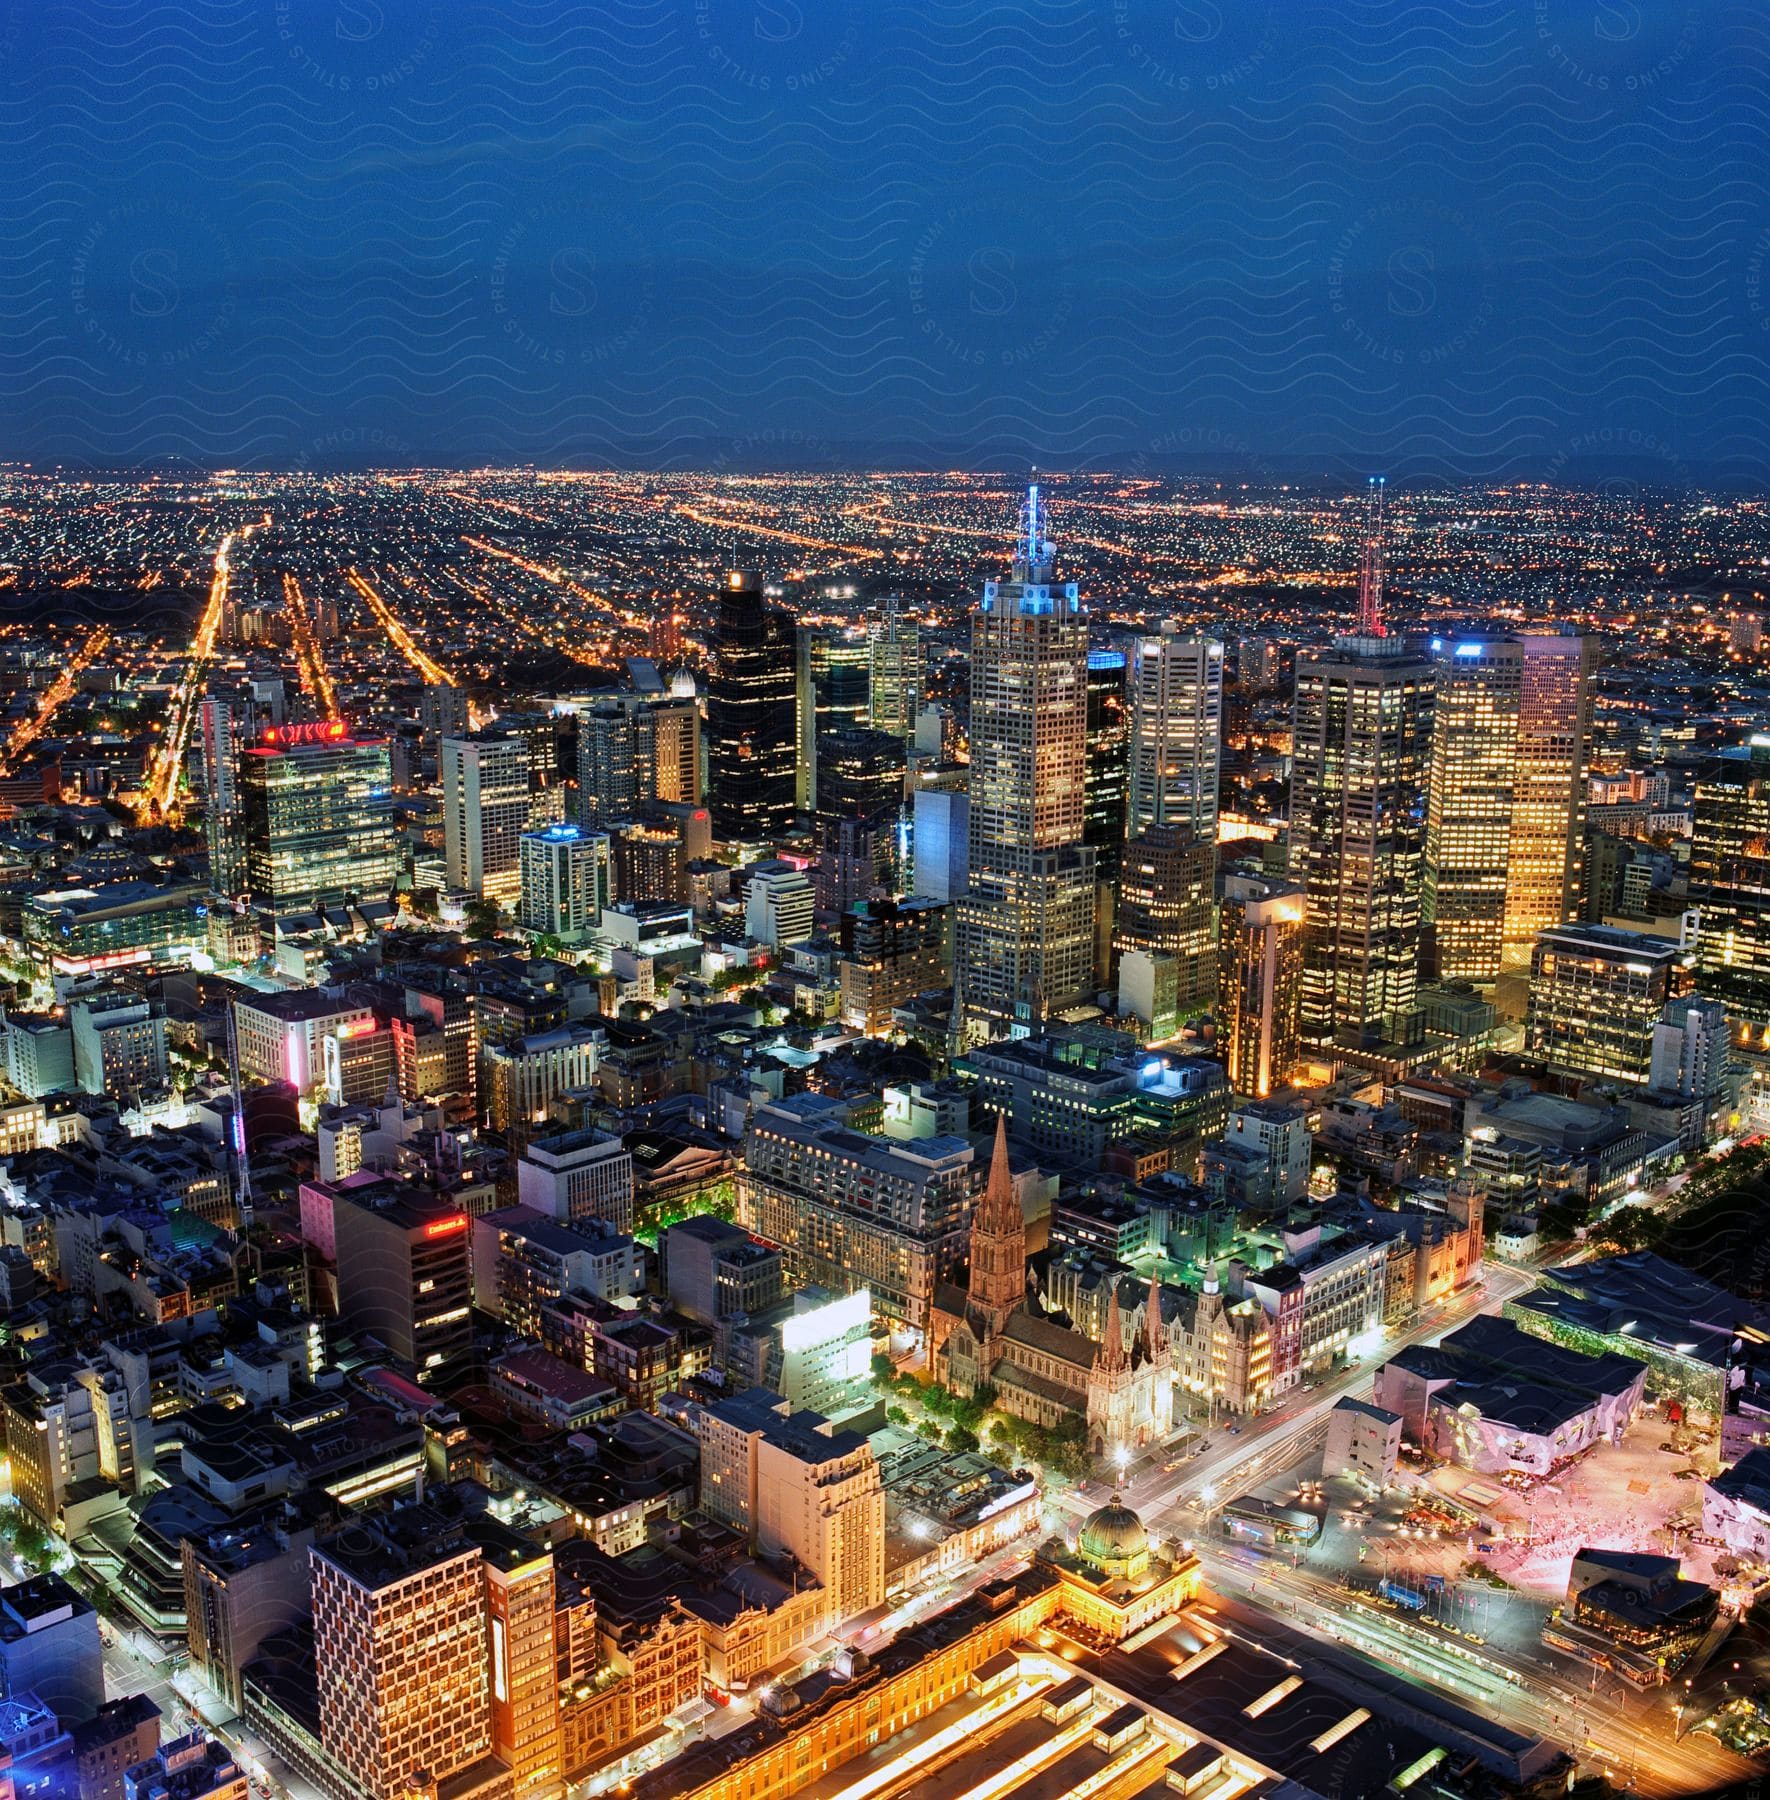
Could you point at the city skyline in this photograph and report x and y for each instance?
(884, 900)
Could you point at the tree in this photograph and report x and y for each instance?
(1634, 1228)
(883, 1367)
(959, 1438)
(483, 918)
(895, 1415)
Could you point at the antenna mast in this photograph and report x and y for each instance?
(1370, 574)
(237, 1126)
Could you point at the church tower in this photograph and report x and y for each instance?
(998, 1245)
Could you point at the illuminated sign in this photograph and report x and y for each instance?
(446, 1227)
(827, 1324)
(307, 731)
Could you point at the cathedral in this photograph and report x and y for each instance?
(994, 1333)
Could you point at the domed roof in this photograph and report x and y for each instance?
(1114, 1534)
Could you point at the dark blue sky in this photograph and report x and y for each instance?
(1438, 236)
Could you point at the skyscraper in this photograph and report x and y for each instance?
(830, 683)
(1469, 806)
(1260, 982)
(1730, 879)
(635, 750)
(431, 1660)
(1361, 755)
(565, 881)
(485, 798)
(1103, 820)
(1175, 687)
(316, 807)
(1505, 815)
(1026, 926)
(751, 749)
(1167, 904)
(894, 644)
(860, 803)
(222, 728)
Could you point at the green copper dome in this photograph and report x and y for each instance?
(1113, 1536)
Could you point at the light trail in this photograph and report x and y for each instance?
(726, 521)
(26, 733)
(165, 768)
(399, 637)
(315, 676)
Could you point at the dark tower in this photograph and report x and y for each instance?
(750, 715)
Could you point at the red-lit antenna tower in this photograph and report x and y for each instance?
(1370, 573)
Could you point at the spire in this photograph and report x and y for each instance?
(1000, 1211)
(1112, 1356)
(998, 1240)
(1034, 553)
(1154, 1339)
(1370, 573)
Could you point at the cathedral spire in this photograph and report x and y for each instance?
(1154, 1338)
(998, 1239)
(1112, 1356)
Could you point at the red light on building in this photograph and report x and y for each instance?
(446, 1227)
(306, 731)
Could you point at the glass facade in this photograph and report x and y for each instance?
(318, 816)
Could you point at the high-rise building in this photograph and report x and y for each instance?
(316, 805)
(1260, 982)
(485, 801)
(940, 853)
(1506, 799)
(1596, 996)
(1167, 906)
(892, 951)
(576, 1176)
(1730, 879)
(1026, 925)
(1175, 701)
(565, 881)
(1103, 819)
(830, 688)
(432, 1665)
(780, 905)
(1361, 756)
(860, 794)
(635, 751)
(404, 1267)
(894, 684)
(650, 862)
(223, 729)
(751, 740)
(1690, 1045)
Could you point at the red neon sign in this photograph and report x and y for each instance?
(307, 731)
(446, 1227)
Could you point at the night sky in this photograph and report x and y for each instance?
(1467, 236)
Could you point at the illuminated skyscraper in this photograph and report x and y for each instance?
(1361, 756)
(829, 695)
(1260, 984)
(1167, 904)
(485, 803)
(1730, 880)
(1026, 926)
(222, 725)
(316, 806)
(860, 806)
(565, 881)
(751, 744)
(1103, 824)
(635, 750)
(894, 643)
(1175, 687)
(433, 1639)
(1506, 803)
